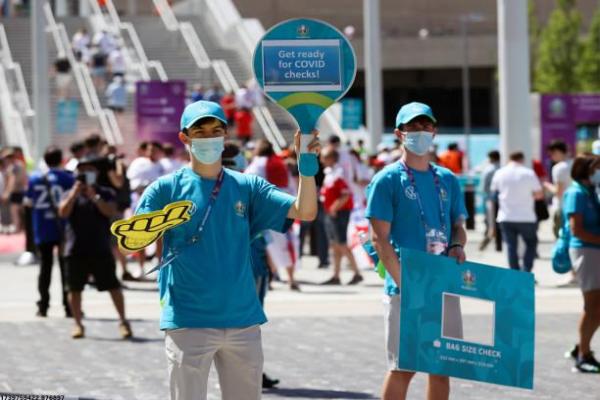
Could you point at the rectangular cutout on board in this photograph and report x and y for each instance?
(457, 325)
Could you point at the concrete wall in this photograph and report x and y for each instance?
(401, 22)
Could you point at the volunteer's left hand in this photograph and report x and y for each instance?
(458, 253)
(314, 146)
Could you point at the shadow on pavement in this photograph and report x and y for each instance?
(130, 340)
(302, 393)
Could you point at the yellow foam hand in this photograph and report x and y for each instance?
(139, 231)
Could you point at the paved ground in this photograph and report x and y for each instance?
(323, 343)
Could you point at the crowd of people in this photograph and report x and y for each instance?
(68, 204)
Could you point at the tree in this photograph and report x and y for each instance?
(559, 50)
(588, 67)
(534, 35)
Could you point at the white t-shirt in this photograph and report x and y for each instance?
(169, 165)
(515, 185)
(561, 173)
(258, 166)
(117, 62)
(142, 171)
(81, 41)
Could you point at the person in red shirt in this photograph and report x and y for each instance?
(243, 122)
(228, 105)
(336, 197)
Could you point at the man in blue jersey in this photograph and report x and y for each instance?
(417, 205)
(43, 196)
(210, 309)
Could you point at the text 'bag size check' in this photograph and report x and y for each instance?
(470, 321)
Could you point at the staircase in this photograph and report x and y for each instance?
(18, 31)
(169, 48)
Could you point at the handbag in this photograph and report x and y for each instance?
(561, 260)
(541, 210)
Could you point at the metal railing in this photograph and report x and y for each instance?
(135, 57)
(220, 68)
(12, 122)
(83, 79)
(233, 26)
(17, 114)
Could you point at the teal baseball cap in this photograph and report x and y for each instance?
(410, 111)
(201, 109)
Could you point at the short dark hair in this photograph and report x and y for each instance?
(517, 156)
(453, 146)
(157, 144)
(557, 145)
(494, 155)
(168, 149)
(203, 121)
(76, 147)
(583, 167)
(264, 148)
(93, 140)
(53, 156)
(143, 146)
(334, 139)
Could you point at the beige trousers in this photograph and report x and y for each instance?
(238, 358)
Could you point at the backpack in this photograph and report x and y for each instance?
(277, 172)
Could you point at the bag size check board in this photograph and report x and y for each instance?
(304, 65)
(470, 321)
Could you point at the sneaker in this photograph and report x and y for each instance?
(41, 313)
(294, 287)
(323, 266)
(573, 353)
(125, 330)
(268, 383)
(332, 281)
(356, 279)
(78, 332)
(588, 364)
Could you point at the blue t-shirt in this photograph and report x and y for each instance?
(210, 284)
(578, 199)
(44, 219)
(391, 198)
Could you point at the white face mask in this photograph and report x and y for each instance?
(90, 177)
(207, 150)
(418, 142)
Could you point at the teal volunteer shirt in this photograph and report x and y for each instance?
(578, 199)
(391, 198)
(210, 284)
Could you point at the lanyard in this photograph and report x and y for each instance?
(196, 236)
(438, 188)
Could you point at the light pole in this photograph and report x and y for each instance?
(372, 50)
(466, 81)
(513, 78)
(41, 89)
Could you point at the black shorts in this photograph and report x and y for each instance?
(337, 227)
(16, 197)
(102, 268)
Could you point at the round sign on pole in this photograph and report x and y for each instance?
(304, 65)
